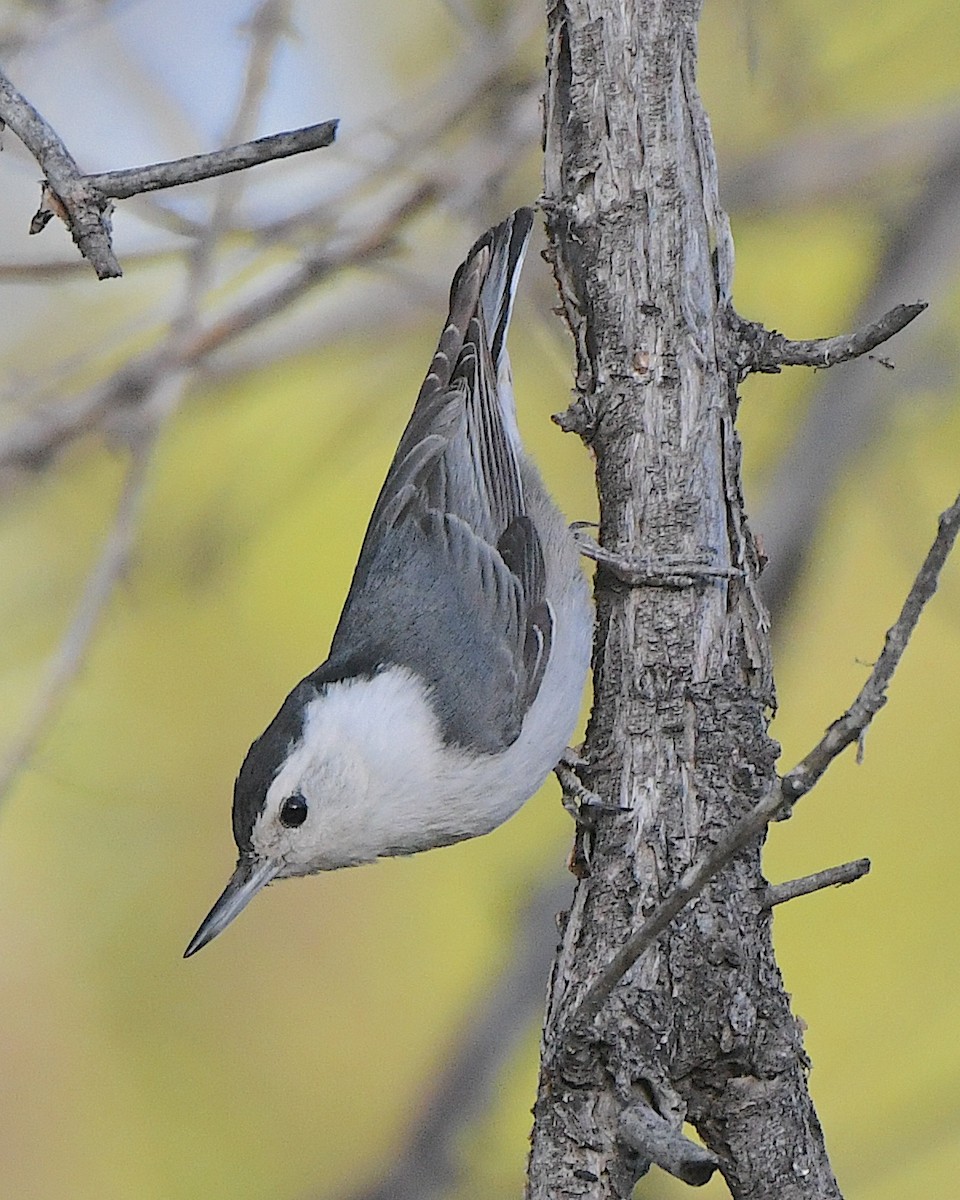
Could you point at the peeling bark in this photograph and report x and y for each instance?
(700, 1029)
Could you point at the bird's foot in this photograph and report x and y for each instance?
(583, 805)
(667, 571)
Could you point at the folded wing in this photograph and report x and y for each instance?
(450, 581)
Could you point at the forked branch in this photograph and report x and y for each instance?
(778, 802)
(84, 202)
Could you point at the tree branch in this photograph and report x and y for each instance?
(852, 726)
(121, 185)
(780, 893)
(85, 213)
(83, 202)
(655, 1139)
(767, 351)
(779, 800)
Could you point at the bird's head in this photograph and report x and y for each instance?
(350, 769)
(295, 804)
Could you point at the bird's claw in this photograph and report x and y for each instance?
(583, 805)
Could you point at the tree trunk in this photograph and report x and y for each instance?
(700, 1028)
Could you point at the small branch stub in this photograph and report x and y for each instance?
(757, 349)
(780, 893)
(657, 1141)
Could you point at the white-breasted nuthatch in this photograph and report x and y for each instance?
(457, 667)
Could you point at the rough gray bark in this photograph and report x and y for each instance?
(700, 1029)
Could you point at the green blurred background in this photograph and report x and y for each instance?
(292, 1057)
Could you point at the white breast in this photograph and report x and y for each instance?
(381, 781)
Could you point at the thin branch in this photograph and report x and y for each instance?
(779, 800)
(84, 201)
(655, 1139)
(83, 210)
(780, 893)
(121, 185)
(852, 726)
(765, 350)
(68, 659)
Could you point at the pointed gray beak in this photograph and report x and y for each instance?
(249, 877)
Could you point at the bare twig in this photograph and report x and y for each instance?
(121, 185)
(779, 799)
(852, 726)
(653, 1137)
(780, 893)
(83, 210)
(84, 201)
(767, 351)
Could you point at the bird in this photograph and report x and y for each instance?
(456, 670)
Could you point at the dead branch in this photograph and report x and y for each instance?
(121, 185)
(767, 351)
(778, 802)
(656, 1140)
(780, 893)
(852, 726)
(83, 202)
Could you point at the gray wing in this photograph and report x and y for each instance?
(450, 580)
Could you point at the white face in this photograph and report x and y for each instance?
(368, 777)
(306, 822)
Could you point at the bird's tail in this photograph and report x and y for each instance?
(485, 284)
(508, 245)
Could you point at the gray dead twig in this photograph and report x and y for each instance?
(84, 202)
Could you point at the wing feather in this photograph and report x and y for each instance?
(450, 581)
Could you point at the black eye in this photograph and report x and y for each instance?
(293, 811)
